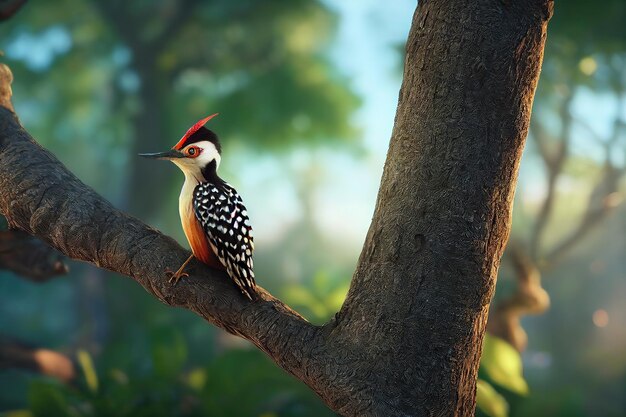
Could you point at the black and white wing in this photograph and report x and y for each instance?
(224, 218)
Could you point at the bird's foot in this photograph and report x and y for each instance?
(174, 277)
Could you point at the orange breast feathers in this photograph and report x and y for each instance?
(197, 238)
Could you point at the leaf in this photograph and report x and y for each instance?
(503, 365)
(300, 295)
(336, 298)
(119, 376)
(169, 351)
(197, 378)
(489, 401)
(46, 399)
(89, 370)
(18, 413)
(321, 282)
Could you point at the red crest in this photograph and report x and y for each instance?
(193, 129)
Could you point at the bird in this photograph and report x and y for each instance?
(212, 213)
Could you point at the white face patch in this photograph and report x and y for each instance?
(193, 166)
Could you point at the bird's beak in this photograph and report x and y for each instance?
(171, 154)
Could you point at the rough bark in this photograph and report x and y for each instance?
(443, 213)
(408, 339)
(29, 257)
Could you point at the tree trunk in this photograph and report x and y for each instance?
(408, 339)
(150, 121)
(145, 184)
(419, 297)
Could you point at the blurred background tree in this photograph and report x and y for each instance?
(569, 223)
(306, 90)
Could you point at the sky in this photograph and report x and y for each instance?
(365, 50)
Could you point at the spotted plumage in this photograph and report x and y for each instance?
(212, 214)
(220, 211)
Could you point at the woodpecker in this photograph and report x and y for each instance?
(212, 213)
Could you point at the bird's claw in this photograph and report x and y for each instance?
(174, 277)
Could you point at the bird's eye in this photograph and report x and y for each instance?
(193, 151)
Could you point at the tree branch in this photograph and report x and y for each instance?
(554, 162)
(9, 8)
(122, 23)
(603, 200)
(604, 196)
(6, 78)
(29, 257)
(539, 137)
(529, 298)
(183, 11)
(15, 355)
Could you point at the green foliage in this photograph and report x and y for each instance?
(264, 60)
(603, 30)
(489, 401)
(266, 389)
(239, 382)
(126, 77)
(169, 352)
(89, 371)
(18, 413)
(567, 401)
(47, 399)
(503, 365)
(500, 364)
(589, 55)
(320, 299)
